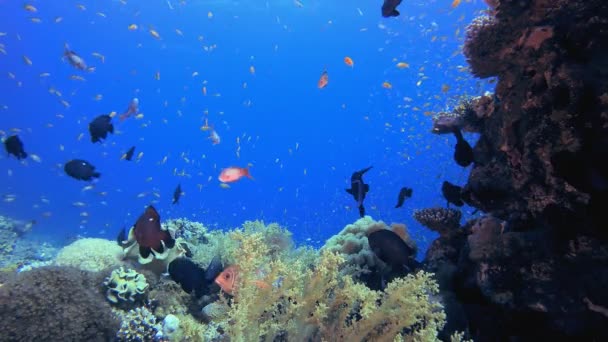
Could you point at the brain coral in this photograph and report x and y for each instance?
(55, 304)
(90, 255)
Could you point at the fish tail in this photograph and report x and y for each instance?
(96, 174)
(247, 174)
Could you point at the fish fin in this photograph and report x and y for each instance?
(96, 175)
(121, 237)
(111, 129)
(144, 252)
(215, 267)
(361, 210)
(395, 13)
(170, 243)
(247, 174)
(350, 191)
(366, 187)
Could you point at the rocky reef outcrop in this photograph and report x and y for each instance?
(536, 264)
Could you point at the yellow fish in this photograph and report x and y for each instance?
(30, 8)
(402, 65)
(132, 27)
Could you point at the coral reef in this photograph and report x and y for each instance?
(191, 231)
(534, 265)
(55, 304)
(125, 286)
(352, 244)
(442, 220)
(90, 254)
(139, 325)
(283, 298)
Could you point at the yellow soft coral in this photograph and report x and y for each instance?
(285, 296)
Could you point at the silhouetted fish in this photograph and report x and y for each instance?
(192, 277)
(122, 236)
(14, 146)
(80, 169)
(389, 8)
(100, 127)
(452, 193)
(404, 194)
(129, 154)
(177, 193)
(359, 189)
(463, 153)
(390, 248)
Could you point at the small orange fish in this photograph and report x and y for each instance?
(233, 174)
(387, 85)
(455, 3)
(323, 80)
(349, 61)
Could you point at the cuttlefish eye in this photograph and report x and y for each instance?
(227, 276)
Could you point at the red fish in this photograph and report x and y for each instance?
(228, 278)
(131, 110)
(233, 174)
(323, 80)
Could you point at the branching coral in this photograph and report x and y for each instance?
(285, 298)
(138, 325)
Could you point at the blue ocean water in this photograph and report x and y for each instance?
(303, 143)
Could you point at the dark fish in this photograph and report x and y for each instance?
(404, 194)
(122, 236)
(100, 127)
(177, 193)
(14, 146)
(129, 154)
(463, 153)
(149, 234)
(390, 248)
(452, 193)
(192, 277)
(389, 8)
(359, 189)
(81, 169)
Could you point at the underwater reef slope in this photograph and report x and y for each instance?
(536, 265)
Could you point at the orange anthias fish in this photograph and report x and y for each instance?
(233, 174)
(227, 280)
(131, 110)
(323, 80)
(349, 61)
